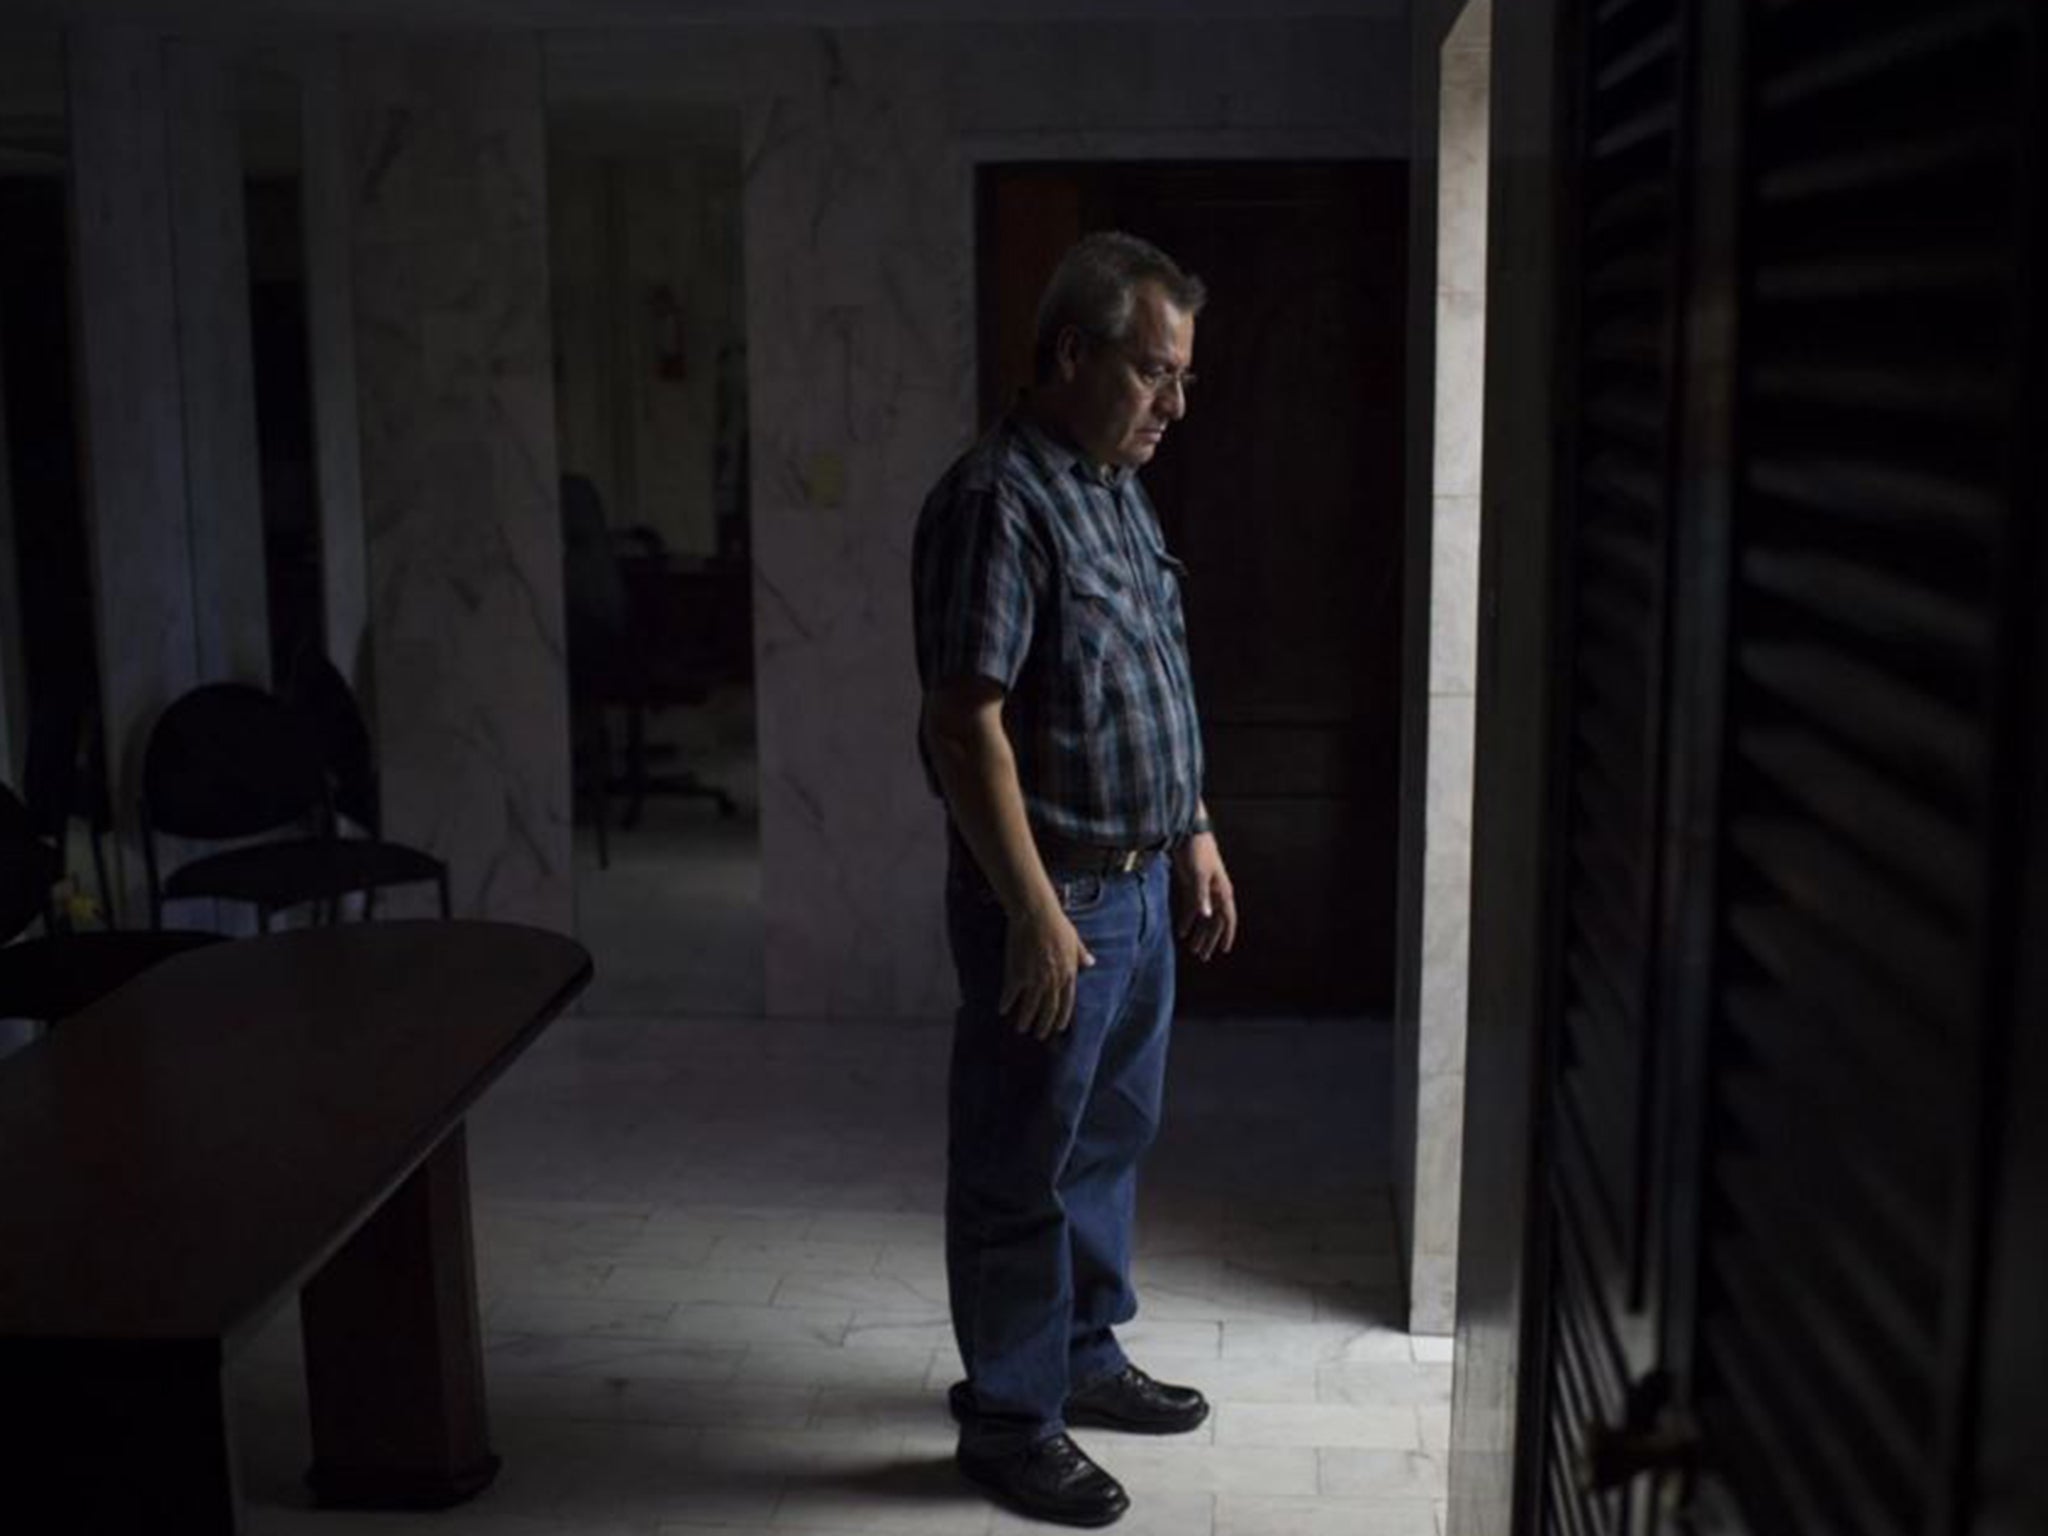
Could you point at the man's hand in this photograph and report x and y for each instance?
(1042, 963)
(1201, 890)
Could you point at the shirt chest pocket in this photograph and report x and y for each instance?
(1102, 606)
(1099, 612)
(1101, 631)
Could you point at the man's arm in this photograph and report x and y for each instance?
(971, 754)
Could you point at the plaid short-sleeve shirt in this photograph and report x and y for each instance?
(1036, 570)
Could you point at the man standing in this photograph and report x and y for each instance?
(1059, 726)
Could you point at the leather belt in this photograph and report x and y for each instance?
(1071, 858)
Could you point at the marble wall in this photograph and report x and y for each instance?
(446, 150)
(859, 231)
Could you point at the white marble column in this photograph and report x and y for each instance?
(447, 161)
(331, 345)
(222, 468)
(1437, 799)
(861, 388)
(131, 398)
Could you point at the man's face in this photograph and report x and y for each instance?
(1127, 393)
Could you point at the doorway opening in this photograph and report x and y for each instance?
(651, 410)
(294, 579)
(1283, 497)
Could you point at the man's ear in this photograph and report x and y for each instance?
(1067, 352)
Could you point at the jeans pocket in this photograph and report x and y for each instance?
(1081, 894)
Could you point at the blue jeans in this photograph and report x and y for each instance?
(1043, 1143)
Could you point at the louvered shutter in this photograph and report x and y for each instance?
(1617, 530)
(1873, 539)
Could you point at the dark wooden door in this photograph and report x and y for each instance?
(1804, 382)
(1282, 491)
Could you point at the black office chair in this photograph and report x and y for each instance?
(51, 977)
(324, 702)
(228, 761)
(626, 652)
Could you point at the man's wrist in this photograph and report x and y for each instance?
(1038, 904)
(1201, 825)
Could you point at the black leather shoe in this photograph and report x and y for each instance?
(1133, 1402)
(1052, 1479)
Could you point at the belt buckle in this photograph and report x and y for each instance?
(1127, 860)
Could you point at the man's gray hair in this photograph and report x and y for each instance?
(1095, 287)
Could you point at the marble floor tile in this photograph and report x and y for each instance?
(1182, 1292)
(1373, 1306)
(578, 1316)
(908, 1261)
(789, 1254)
(918, 1495)
(587, 1355)
(918, 1410)
(505, 1271)
(1360, 1305)
(1376, 1268)
(640, 1281)
(1148, 1337)
(556, 1234)
(1142, 1462)
(853, 1480)
(711, 1324)
(901, 1330)
(869, 1295)
(648, 1400)
(819, 1366)
(1318, 1424)
(672, 1246)
(1239, 1515)
(1383, 1382)
(1318, 1342)
(911, 1229)
(1351, 1473)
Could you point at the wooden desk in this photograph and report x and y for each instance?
(186, 1154)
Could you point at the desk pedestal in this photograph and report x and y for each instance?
(394, 1355)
